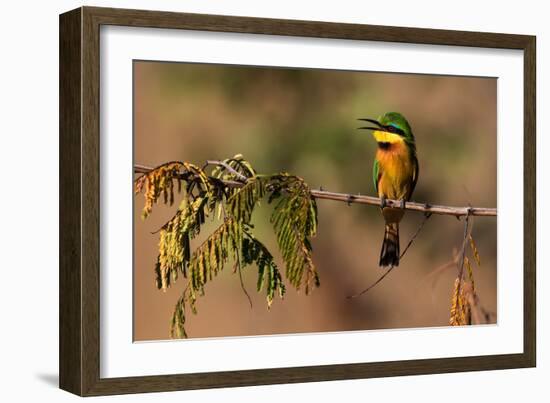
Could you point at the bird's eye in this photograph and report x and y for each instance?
(393, 129)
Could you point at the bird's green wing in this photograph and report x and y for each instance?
(375, 174)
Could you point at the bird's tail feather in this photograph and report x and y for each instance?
(389, 256)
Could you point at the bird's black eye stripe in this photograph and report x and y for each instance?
(393, 129)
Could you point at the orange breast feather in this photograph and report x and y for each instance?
(396, 172)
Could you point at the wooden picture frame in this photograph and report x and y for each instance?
(79, 346)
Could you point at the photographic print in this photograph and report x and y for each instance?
(252, 201)
(273, 200)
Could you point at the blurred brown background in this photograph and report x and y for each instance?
(304, 122)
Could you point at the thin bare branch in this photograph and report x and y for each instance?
(383, 276)
(436, 273)
(238, 268)
(239, 175)
(423, 207)
(369, 200)
(462, 255)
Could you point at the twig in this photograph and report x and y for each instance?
(239, 175)
(426, 217)
(479, 314)
(142, 169)
(462, 254)
(436, 273)
(242, 282)
(360, 199)
(423, 207)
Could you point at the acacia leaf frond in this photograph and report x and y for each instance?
(231, 192)
(294, 219)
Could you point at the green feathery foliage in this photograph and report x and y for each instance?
(177, 328)
(230, 194)
(294, 219)
(254, 252)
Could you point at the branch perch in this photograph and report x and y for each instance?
(234, 183)
(370, 200)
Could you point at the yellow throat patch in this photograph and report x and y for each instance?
(387, 137)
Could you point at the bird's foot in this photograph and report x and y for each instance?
(403, 203)
(382, 202)
(427, 213)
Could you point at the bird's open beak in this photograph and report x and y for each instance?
(375, 122)
(380, 134)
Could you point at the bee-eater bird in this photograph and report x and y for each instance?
(395, 173)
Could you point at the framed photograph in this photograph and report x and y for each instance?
(251, 201)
